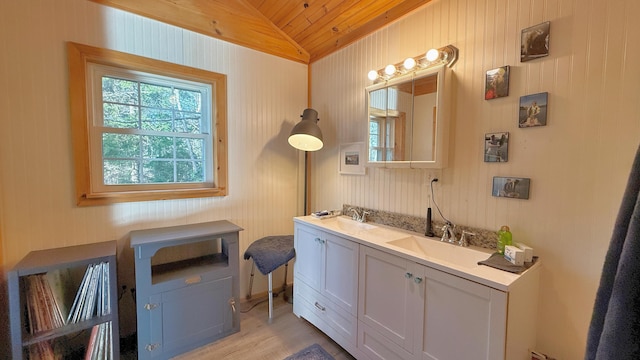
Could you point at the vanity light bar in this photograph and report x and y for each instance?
(446, 55)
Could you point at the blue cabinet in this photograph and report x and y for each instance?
(187, 286)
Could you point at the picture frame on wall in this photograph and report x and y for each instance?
(496, 147)
(511, 187)
(534, 42)
(497, 83)
(533, 110)
(352, 159)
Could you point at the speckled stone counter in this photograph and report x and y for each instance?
(483, 238)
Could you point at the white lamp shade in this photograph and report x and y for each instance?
(306, 135)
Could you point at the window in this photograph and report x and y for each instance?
(145, 129)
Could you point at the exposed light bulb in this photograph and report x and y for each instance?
(433, 55)
(390, 69)
(409, 63)
(372, 75)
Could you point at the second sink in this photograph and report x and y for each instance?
(424, 247)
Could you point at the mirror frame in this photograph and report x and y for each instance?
(442, 120)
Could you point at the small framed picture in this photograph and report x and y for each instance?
(534, 42)
(511, 187)
(497, 83)
(496, 147)
(352, 159)
(533, 110)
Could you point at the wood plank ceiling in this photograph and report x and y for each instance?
(299, 30)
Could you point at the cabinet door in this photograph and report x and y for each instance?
(309, 246)
(189, 316)
(388, 301)
(340, 280)
(462, 319)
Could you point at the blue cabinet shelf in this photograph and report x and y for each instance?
(69, 340)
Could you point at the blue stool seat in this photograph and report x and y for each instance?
(268, 254)
(271, 252)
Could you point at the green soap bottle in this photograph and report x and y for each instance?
(504, 238)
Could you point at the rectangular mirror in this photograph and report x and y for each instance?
(406, 124)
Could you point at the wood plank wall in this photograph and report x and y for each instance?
(266, 96)
(578, 163)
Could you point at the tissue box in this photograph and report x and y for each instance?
(528, 252)
(514, 255)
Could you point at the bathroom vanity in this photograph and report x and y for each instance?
(385, 293)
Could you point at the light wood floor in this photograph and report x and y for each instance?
(259, 339)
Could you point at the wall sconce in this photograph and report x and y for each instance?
(446, 55)
(306, 135)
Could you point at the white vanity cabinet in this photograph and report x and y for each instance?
(411, 311)
(326, 283)
(462, 319)
(389, 305)
(381, 302)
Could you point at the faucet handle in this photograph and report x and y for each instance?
(463, 240)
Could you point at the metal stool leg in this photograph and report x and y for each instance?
(253, 266)
(284, 285)
(270, 296)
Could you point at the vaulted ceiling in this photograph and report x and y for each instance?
(299, 30)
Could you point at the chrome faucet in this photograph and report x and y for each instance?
(463, 240)
(448, 233)
(357, 216)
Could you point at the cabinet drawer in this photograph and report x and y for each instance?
(311, 305)
(376, 346)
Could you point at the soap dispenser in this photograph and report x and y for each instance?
(504, 238)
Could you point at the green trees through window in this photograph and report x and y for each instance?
(169, 116)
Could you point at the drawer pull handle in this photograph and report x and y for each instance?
(417, 280)
(151, 347)
(408, 275)
(319, 241)
(193, 280)
(150, 306)
(320, 307)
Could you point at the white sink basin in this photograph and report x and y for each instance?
(383, 234)
(451, 253)
(347, 225)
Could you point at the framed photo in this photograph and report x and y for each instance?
(496, 147)
(352, 159)
(533, 110)
(511, 187)
(497, 83)
(534, 42)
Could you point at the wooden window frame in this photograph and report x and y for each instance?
(79, 56)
